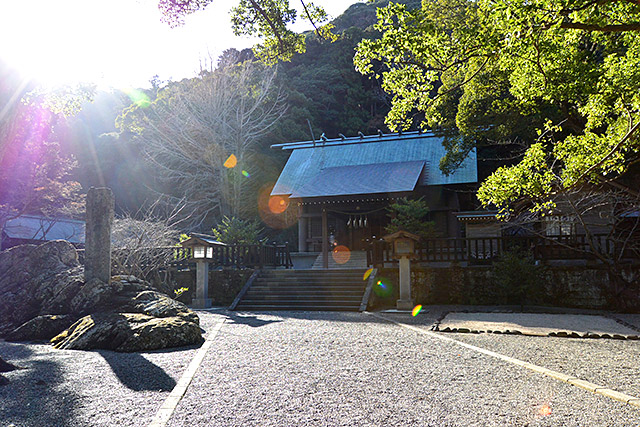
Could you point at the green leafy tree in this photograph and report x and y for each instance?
(238, 231)
(570, 68)
(562, 77)
(412, 216)
(266, 19)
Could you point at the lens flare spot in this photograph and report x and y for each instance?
(231, 162)
(138, 97)
(341, 254)
(367, 274)
(383, 288)
(417, 309)
(545, 410)
(274, 210)
(278, 204)
(245, 174)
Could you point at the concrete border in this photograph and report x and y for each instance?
(166, 410)
(574, 381)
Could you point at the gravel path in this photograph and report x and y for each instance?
(88, 388)
(296, 369)
(608, 362)
(319, 369)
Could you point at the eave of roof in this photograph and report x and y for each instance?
(352, 140)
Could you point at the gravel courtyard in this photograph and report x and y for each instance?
(302, 368)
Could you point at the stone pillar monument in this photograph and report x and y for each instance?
(404, 248)
(405, 302)
(202, 299)
(97, 253)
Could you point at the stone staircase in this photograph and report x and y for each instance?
(317, 290)
(356, 260)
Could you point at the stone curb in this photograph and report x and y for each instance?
(585, 385)
(166, 410)
(560, 334)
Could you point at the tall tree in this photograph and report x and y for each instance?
(563, 77)
(200, 136)
(572, 68)
(266, 19)
(35, 174)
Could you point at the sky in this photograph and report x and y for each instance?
(117, 43)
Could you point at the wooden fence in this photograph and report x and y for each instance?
(228, 256)
(479, 251)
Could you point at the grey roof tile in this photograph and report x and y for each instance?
(308, 160)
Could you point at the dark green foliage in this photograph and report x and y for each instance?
(412, 216)
(237, 231)
(517, 279)
(363, 15)
(324, 88)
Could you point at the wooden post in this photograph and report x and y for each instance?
(325, 239)
(302, 233)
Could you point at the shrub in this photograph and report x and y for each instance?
(411, 216)
(517, 279)
(238, 231)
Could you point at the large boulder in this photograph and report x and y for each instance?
(43, 295)
(128, 332)
(41, 328)
(36, 280)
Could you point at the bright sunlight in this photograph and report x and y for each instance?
(117, 43)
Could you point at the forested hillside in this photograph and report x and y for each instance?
(321, 90)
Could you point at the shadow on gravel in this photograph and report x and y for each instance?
(33, 396)
(137, 373)
(249, 320)
(262, 317)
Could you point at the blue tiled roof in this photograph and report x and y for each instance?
(310, 159)
(363, 179)
(34, 227)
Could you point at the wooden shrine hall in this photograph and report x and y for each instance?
(343, 186)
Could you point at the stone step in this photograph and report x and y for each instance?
(301, 287)
(280, 307)
(314, 273)
(293, 279)
(302, 303)
(357, 259)
(300, 297)
(319, 292)
(309, 283)
(327, 290)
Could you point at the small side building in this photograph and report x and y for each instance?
(37, 229)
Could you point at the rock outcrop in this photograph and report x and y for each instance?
(43, 296)
(41, 328)
(127, 332)
(37, 280)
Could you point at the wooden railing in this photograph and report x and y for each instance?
(480, 251)
(257, 256)
(231, 256)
